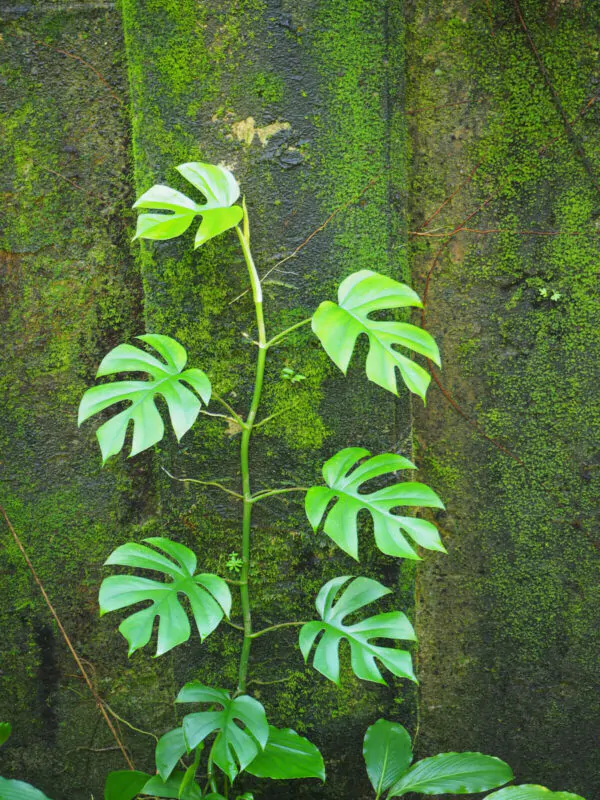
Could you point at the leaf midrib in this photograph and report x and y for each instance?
(427, 781)
(373, 648)
(371, 507)
(135, 403)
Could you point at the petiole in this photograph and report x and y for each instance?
(204, 483)
(284, 333)
(272, 492)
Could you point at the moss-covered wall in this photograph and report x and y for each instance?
(509, 621)
(305, 101)
(69, 290)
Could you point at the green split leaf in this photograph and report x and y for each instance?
(391, 625)
(209, 596)
(287, 755)
(341, 523)
(235, 747)
(387, 751)
(218, 213)
(167, 379)
(453, 773)
(338, 326)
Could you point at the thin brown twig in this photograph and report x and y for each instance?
(68, 180)
(463, 229)
(81, 60)
(580, 114)
(468, 419)
(438, 255)
(86, 677)
(450, 197)
(333, 214)
(489, 12)
(587, 165)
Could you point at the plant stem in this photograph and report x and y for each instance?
(204, 483)
(232, 411)
(244, 457)
(284, 333)
(211, 774)
(274, 628)
(272, 416)
(272, 492)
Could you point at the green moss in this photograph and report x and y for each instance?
(68, 290)
(523, 560)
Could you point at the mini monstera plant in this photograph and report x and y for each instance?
(227, 731)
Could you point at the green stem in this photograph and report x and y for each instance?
(210, 773)
(272, 492)
(244, 458)
(273, 416)
(232, 411)
(204, 483)
(284, 333)
(274, 628)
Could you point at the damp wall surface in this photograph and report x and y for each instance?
(502, 102)
(357, 121)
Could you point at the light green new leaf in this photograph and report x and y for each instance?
(172, 788)
(344, 485)
(18, 790)
(5, 731)
(287, 755)
(219, 214)
(531, 792)
(387, 750)
(339, 325)
(167, 379)
(453, 773)
(392, 625)
(208, 595)
(235, 747)
(124, 784)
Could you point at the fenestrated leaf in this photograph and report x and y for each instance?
(341, 523)
(169, 749)
(531, 792)
(5, 731)
(391, 625)
(208, 595)
(171, 788)
(124, 784)
(287, 755)
(219, 214)
(18, 790)
(234, 747)
(339, 325)
(217, 221)
(387, 750)
(167, 379)
(458, 773)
